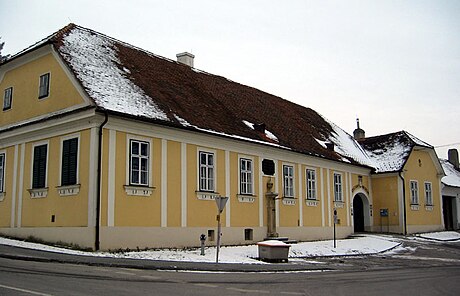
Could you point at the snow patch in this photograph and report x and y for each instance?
(452, 177)
(95, 62)
(268, 134)
(441, 236)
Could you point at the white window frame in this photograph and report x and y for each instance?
(288, 181)
(428, 194)
(338, 187)
(130, 138)
(310, 184)
(249, 188)
(140, 157)
(49, 86)
(69, 137)
(8, 97)
(2, 171)
(206, 167)
(414, 195)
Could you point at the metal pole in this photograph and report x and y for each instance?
(334, 234)
(218, 237)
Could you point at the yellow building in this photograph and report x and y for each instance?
(106, 145)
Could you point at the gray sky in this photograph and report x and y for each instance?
(393, 64)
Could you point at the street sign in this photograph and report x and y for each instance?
(221, 201)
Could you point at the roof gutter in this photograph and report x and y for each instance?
(404, 204)
(98, 194)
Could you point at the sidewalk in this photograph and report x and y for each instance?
(232, 259)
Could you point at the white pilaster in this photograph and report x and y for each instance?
(261, 194)
(323, 220)
(21, 184)
(92, 182)
(301, 199)
(329, 208)
(15, 175)
(164, 183)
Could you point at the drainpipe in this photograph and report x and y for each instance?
(98, 178)
(404, 203)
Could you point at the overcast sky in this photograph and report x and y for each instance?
(393, 64)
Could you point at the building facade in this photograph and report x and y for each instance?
(108, 146)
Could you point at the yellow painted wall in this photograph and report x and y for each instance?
(385, 195)
(289, 214)
(420, 167)
(25, 83)
(137, 210)
(5, 205)
(243, 213)
(174, 184)
(311, 214)
(68, 210)
(104, 177)
(202, 213)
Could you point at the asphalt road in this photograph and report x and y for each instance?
(420, 269)
(19, 277)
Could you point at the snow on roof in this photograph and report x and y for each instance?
(347, 146)
(452, 177)
(132, 81)
(95, 62)
(388, 152)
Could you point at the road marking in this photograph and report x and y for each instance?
(206, 285)
(151, 277)
(292, 293)
(249, 291)
(24, 290)
(125, 273)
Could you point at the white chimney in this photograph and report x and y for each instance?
(185, 58)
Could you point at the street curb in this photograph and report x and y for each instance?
(439, 240)
(175, 266)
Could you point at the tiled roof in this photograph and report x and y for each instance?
(452, 177)
(390, 152)
(128, 80)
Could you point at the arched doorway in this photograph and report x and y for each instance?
(358, 214)
(361, 213)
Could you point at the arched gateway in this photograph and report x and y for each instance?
(361, 213)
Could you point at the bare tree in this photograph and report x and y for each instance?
(2, 57)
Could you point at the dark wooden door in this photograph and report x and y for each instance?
(358, 214)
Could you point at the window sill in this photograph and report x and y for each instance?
(339, 204)
(415, 207)
(206, 195)
(68, 190)
(289, 201)
(246, 198)
(312, 202)
(134, 190)
(429, 208)
(6, 109)
(2, 196)
(38, 192)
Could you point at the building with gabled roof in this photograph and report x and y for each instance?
(107, 145)
(451, 191)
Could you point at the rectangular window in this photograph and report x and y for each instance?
(39, 166)
(69, 162)
(44, 88)
(139, 163)
(2, 172)
(311, 184)
(428, 194)
(206, 173)
(338, 190)
(414, 192)
(288, 178)
(246, 186)
(7, 98)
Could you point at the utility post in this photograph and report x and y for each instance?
(220, 201)
(335, 222)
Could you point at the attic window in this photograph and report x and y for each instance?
(44, 88)
(260, 127)
(330, 146)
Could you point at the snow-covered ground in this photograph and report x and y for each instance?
(360, 245)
